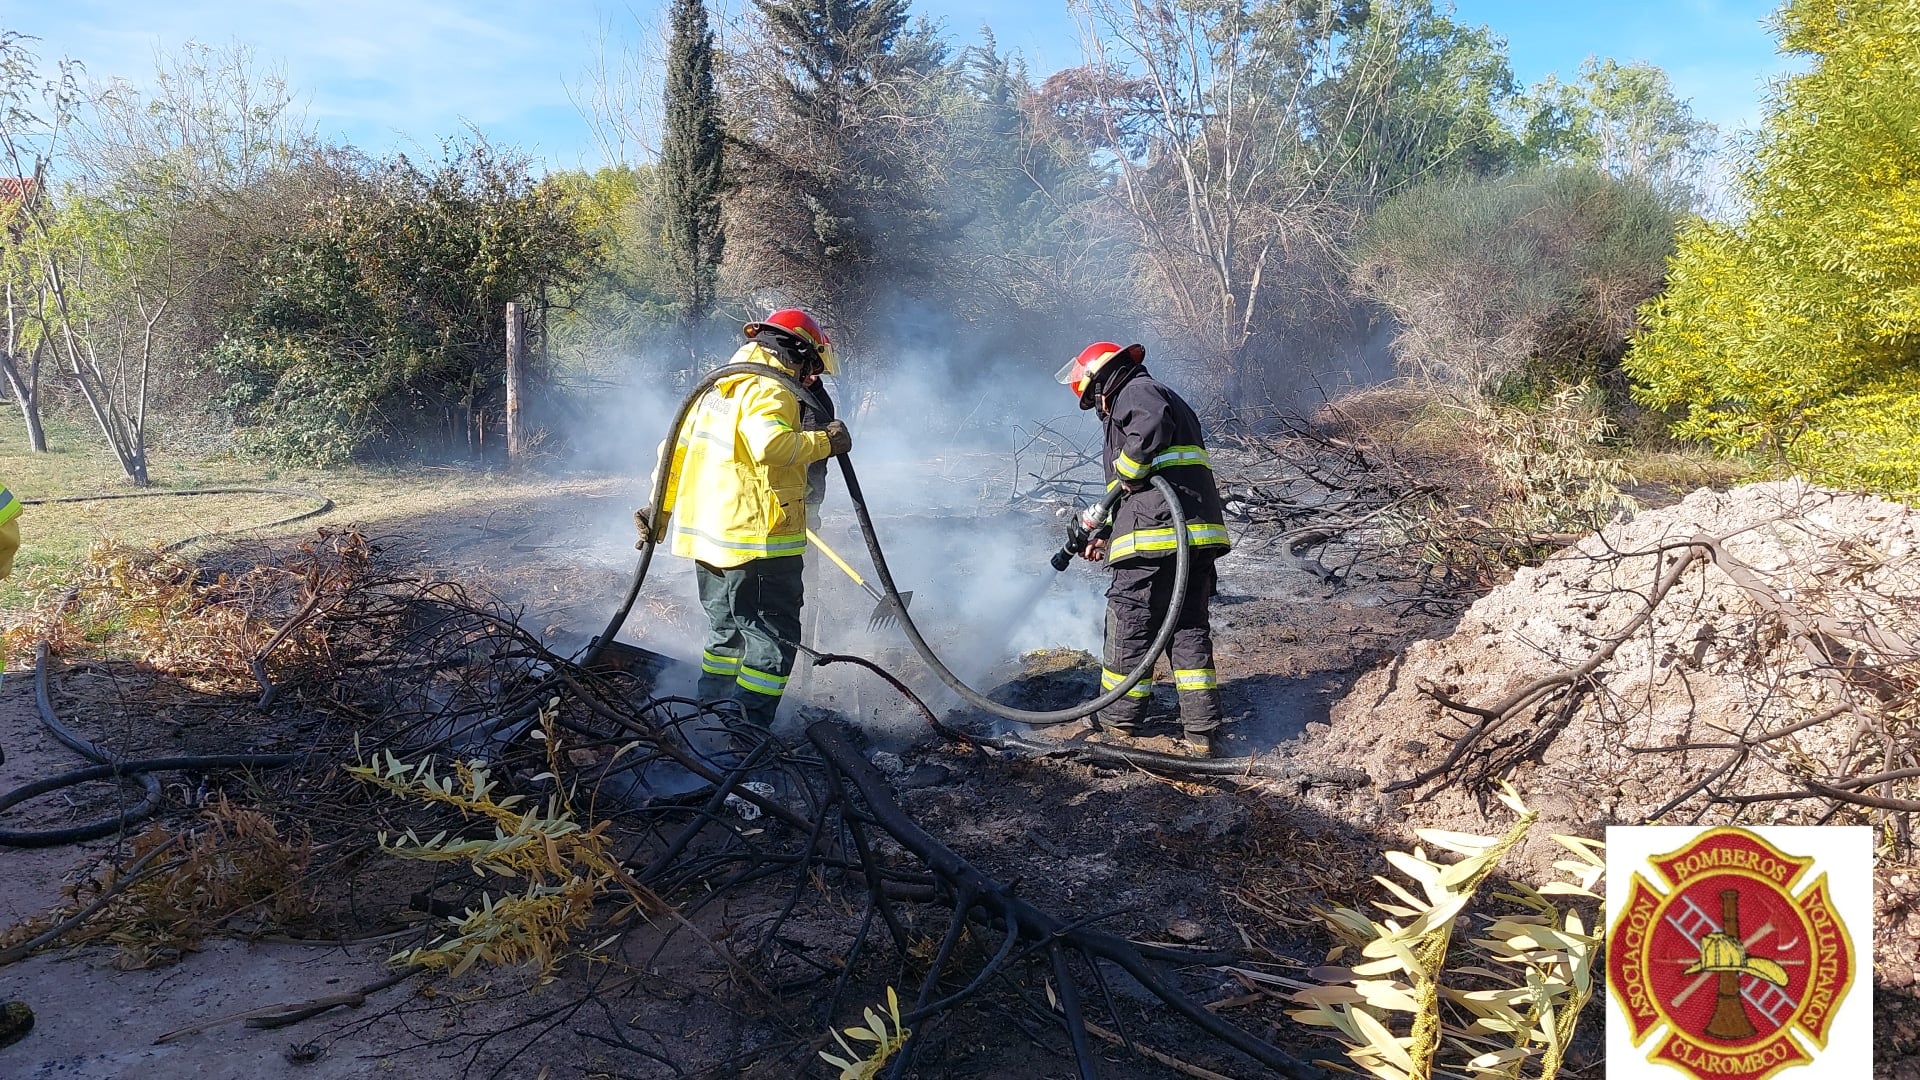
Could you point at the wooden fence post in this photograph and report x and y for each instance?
(516, 372)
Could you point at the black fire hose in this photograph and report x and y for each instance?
(323, 504)
(1182, 564)
(107, 765)
(1182, 560)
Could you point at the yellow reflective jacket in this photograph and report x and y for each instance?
(9, 537)
(738, 484)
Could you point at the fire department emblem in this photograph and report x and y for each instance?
(1741, 971)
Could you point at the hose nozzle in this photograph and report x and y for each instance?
(1085, 525)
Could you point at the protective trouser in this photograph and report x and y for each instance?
(1137, 601)
(753, 616)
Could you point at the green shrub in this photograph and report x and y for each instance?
(1533, 276)
(1796, 332)
(379, 327)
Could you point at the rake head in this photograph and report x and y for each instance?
(883, 615)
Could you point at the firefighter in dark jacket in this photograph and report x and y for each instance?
(1151, 431)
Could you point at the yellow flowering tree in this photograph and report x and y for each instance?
(1796, 331)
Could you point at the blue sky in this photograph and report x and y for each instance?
(389, 74)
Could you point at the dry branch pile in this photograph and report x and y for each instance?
(786, 881)
(1384, 485)
(1747, 656)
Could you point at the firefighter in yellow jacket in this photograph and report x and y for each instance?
(16, 1018)
(736, 505)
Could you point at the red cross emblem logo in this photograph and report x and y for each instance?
(1742, 971)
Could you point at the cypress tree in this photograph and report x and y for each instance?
(690, 161)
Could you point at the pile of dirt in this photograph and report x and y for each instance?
(1806, 599)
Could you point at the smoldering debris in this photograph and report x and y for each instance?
(392, 678)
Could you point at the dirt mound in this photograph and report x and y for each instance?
(1651, 671)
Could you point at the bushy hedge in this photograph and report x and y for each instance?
(377, 328)
(1535, 273)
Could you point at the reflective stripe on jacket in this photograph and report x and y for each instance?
(1150, 430)
(9, 539)
(739, 474)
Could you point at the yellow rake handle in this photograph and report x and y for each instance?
(815, 540)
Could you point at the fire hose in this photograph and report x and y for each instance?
(1182, 560)
(107, 765)
(104, 764)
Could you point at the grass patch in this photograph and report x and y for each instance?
(1685, 468)
(56, 538)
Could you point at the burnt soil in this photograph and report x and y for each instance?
(1206, 865)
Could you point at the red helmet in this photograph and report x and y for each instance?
(1079, 371)
(796, 321)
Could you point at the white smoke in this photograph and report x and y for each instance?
(933, 448)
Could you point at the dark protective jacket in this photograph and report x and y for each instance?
(812, 419)
(1149, 430)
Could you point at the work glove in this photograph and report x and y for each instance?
(839, 439)
(642, 526)
(1085, 540)
(1135, 487)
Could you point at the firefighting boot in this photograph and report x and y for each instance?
(759, 709)
(1125, 718)
(1200, 717)
(714, 686)
(1201, 744)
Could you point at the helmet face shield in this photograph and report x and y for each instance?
(1078, 372)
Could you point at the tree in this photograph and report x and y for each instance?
(113, 282)
(1033, 265)
(1623, 119)
(691, 162)
(1535, 273)
(62, 249)
(615, 308)
(35, 114)
(1796, 331)
(1439, 112)
(620, 93)
(831, 203)
(216, 158)
(26, 307)
(154, 207)
(1227, 128)
(377, 330)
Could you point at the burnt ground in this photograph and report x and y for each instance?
(1896, 971)
(1207, 864)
